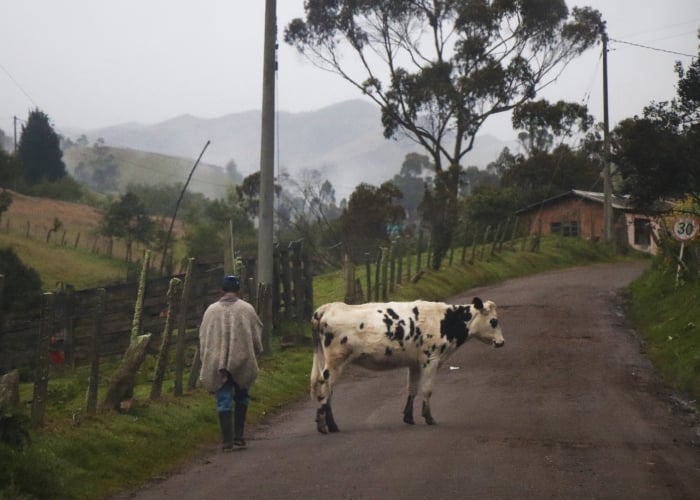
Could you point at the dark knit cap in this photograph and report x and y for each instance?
(231, 283)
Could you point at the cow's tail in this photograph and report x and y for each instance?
(319, 359)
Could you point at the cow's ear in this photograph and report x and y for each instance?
(478, 303)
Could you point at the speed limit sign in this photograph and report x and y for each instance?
(685, 228)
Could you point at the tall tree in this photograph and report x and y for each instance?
(411, 182)
(439, 68)
(541, 123)
(127, 218)
(371, 212)
(39, 150)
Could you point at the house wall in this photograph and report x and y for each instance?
(588, 215)
(629, 222)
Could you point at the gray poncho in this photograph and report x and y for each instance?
(230, 336)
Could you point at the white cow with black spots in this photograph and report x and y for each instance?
(416, 335)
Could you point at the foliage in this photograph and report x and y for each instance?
(10, 169)
(14, 429)
(102, 171)
(545, 174)
(205, 241)
(489, 206)
(39, 150)
(160, 199)
(5, 201)
(307, 210)
(370, 214)
(658, 154)
(411, 183)
(542, 122)
(66, 188)
(667, 318)
(22, 289)
(448, 66)
(127, 218)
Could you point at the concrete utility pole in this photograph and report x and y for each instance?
(267, 167)
(607, 185)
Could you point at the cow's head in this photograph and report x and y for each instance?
(484, 323)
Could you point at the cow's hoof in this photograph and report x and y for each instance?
(430, 421)
(333, 428)
(321, 424)
(409, 420)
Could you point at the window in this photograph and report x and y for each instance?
(567, 228)
(642, 232)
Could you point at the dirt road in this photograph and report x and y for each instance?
(568, 409)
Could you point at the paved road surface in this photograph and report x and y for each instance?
(568, 409)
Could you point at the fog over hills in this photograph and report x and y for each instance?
(343, 141)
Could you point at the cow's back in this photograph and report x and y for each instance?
(378, 335)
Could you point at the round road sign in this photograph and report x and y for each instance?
(685, 227)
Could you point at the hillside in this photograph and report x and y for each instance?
(142, 167)
(76, 254)
(344, 141)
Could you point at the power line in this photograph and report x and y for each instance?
(652, 48)
(18, 85)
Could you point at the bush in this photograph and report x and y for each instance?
(22, 283)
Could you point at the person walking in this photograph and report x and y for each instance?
(230, 338)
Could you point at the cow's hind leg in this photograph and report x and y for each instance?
(426, 390)
(426, 413)
(413, 377)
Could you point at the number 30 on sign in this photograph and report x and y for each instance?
(685, 228)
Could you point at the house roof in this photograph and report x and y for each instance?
(618, 202)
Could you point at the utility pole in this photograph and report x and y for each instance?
(607, 185)
(267, 168)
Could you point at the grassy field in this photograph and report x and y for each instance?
(93, 456)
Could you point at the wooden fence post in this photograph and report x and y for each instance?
(2, 296)
(182, 328)
(162, 361)
(377, 275)
(41, 374)
(485, 242)
(496, 236)
(349, 274)
(369, 276)
(94, 351)
(474, 242)
(419, 250)
(194, 371)
(385, 269)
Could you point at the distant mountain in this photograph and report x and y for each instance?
(344, 141)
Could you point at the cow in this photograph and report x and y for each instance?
(417, 335)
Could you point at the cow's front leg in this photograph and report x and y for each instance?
(413, 379)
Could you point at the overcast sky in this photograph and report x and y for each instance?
(90, 64)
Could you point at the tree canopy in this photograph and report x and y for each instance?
(658, 154)
(439, 68)
(39, 150)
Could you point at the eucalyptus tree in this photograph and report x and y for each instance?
(439, 68)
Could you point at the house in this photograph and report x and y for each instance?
(579, 214)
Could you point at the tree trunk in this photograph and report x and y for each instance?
(123, 380)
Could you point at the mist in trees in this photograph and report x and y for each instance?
(448, 66)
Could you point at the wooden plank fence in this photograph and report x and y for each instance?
(78, 315)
